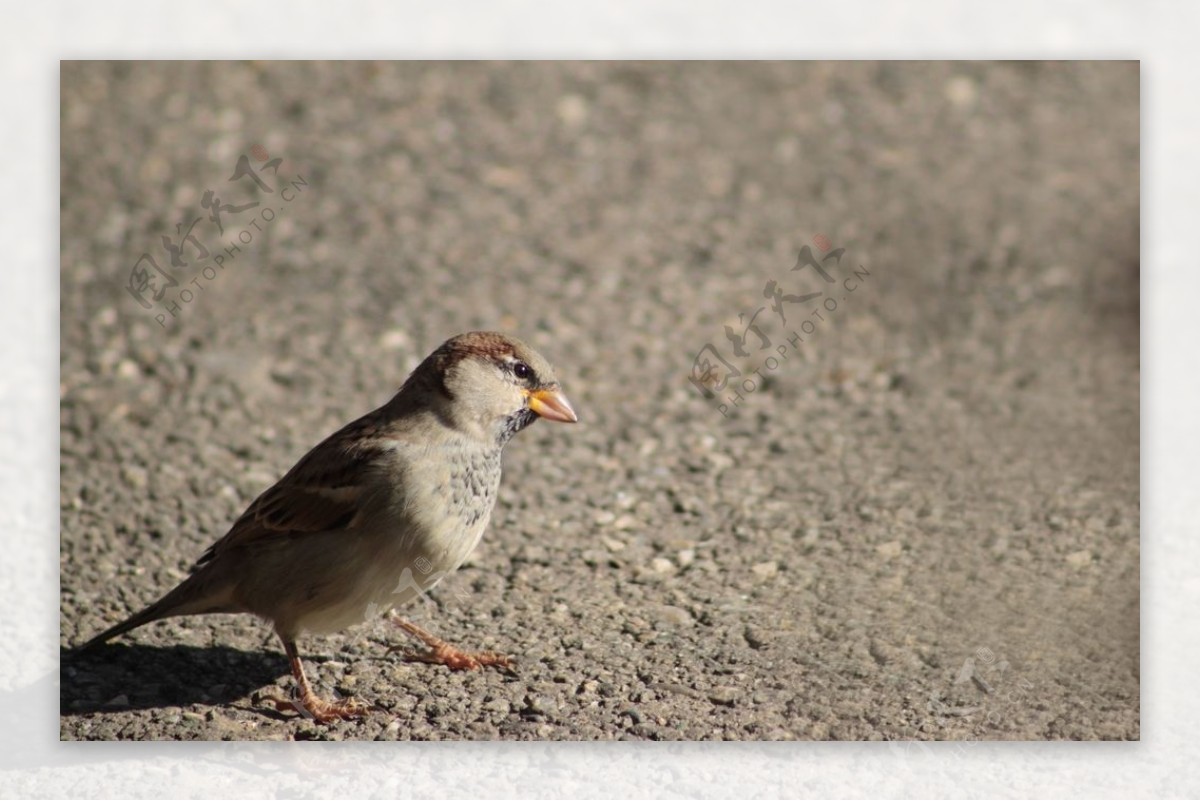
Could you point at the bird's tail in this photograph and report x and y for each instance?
(147, 615)
(195, 596)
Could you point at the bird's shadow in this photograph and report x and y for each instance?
(118, 677)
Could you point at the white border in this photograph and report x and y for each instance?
(34, 764)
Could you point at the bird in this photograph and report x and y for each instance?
(377, 513)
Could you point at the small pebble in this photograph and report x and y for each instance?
(765, 569)
(725, 696)
(673, 615)
(572, 110)
(960, 91)
(757, 637)
(625, 522)
(890, 550)
(1079, 559)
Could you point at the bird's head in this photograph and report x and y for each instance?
(491, 385)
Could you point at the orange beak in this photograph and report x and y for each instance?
(552, 404)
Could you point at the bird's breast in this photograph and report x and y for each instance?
(450, 504)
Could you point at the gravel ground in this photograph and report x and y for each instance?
(918, 521)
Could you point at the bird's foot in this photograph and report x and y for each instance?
(443, 653)
(457, 659)
(310, 705)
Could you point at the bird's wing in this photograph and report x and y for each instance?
(325, 491)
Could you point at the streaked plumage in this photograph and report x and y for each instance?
(380, 511)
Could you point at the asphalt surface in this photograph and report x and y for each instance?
(919, 520)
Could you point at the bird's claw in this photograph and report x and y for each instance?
(322, 711)
(456, 659)
(441, 652)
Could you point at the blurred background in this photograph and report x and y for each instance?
(923, 523)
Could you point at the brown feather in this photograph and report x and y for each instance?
(322, 492)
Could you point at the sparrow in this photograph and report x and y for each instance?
(379, 512)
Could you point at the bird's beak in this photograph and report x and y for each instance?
(552, 405)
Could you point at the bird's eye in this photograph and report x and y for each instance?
(522, 370)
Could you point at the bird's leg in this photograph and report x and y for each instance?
(311, 704)
(443, 653)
